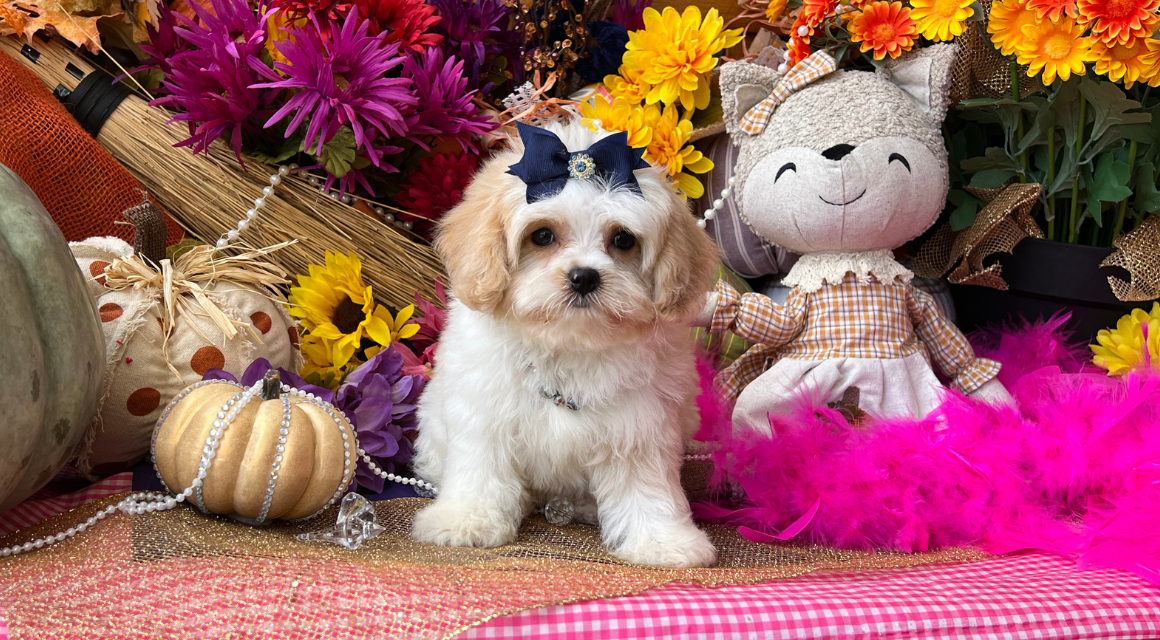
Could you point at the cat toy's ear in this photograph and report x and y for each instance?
(743, 85)
(925, 76)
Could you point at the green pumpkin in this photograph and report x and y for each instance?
(52, 352)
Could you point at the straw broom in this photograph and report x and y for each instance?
(209, 194)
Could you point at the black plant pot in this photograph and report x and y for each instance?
(1047, 277)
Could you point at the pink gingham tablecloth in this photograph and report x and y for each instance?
(1029, 595)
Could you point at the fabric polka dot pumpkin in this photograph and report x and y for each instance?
(145, 367)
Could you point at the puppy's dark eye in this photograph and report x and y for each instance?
(789, 166)
(624, 240)
(898, 157)
(543, 237)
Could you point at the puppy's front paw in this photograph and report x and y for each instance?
(463, 524)
(680, 546)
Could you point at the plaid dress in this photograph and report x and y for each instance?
(857, 319)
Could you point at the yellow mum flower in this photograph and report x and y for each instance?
(619, 115)
(675, 52)
(1130, 63)
(940, 20)
(627, 86)
(670, 148)
(1054, 49)
(1135, 342)
(775, 10)
(333, 303)
(1008, 17)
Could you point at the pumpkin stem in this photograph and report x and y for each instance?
(271, 385)
(149, 231)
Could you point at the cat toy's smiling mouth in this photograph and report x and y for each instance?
(842, 204)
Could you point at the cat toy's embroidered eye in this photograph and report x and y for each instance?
(789, 166)
(543, 237)
(898, 157)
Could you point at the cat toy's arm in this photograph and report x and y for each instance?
(753, 316)
(951, 351)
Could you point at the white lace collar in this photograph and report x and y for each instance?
(813, 270)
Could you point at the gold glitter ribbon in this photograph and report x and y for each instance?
(1139, 254)
(980, 70)
(999, 226)
(180, 574)
(195, 274)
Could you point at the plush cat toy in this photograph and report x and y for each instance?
(842, 167)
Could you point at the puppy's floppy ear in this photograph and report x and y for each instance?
(684, 266)
(472, 242)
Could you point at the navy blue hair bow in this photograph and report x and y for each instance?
(547, 164)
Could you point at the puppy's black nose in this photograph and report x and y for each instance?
(584, 280)
(837, 152)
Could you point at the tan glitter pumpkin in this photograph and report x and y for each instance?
(157, 344)
(267, 452)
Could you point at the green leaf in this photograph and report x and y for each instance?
(1110, 107)
(992, 178)
(338, 154)
(1147, 197)
(993, 158)
(1109, 183)
(1041, 127)
(290, 147)
(966, 208)
(1066, 103)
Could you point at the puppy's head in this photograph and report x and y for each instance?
(589, 267)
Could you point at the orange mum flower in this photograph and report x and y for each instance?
(1119, 20)
(885, 28)
(1052, 9)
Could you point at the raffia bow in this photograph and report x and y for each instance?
(195, 274)
(817, 66)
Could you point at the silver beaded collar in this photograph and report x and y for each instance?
(557, 398)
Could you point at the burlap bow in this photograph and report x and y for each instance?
(195, 274)
(817, 66)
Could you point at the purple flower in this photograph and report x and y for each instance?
(379, 399)
(475, 30)
(629, 14)
(340, 81)
(210, 85)
(444, 103)
(164, 42)
(258, 369)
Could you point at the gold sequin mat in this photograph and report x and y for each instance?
(182, 574)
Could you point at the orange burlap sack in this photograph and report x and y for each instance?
(82, 186)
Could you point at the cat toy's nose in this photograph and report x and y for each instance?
(837, 152)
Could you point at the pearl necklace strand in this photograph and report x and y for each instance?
(259, 202)
(718, 204)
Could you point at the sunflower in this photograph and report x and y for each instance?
(1119, 20)
(628, 85)
(317, 368)
(1052, 9)
(1127, 63)
(775, 10)
(675, 52)
(670, 148)
(619, 115)
(1008, 17)
(885, 28)
(1054, 48)
(940, 20)
(399, 327)
(334, 304)
(1135, 342)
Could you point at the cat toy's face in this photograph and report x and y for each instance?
(876, 194)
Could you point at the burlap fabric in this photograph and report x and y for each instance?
(1139, 253)
(158, 343)
(181, 574)
(82, 186)
(1003, 223)
(980, 70)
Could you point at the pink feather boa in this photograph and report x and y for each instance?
(1074, 470)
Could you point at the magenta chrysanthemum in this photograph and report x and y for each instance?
(340, 81)
(211, 85)
(476, 30)
(444, 107)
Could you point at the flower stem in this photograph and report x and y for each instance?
(1073, 221)
(1116, 230)
(1051, 181)
(1018, 119)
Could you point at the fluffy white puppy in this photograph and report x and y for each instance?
(566, 367)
